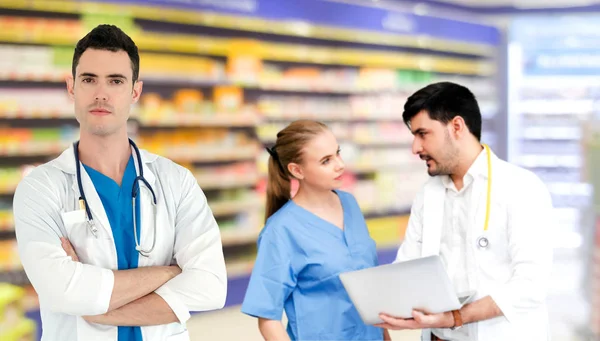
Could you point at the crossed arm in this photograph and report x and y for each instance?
(133, 301)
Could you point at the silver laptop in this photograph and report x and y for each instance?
(396, 289)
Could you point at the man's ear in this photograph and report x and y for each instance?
(295, 170)
(70, 87)
(137, 91)
(458, 126)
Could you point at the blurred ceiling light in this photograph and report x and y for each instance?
(300, 28)
(421, 9)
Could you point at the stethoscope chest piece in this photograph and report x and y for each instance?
(483, 242)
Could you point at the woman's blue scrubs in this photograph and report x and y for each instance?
(299, 259)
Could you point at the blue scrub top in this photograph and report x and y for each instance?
(299, 259)
(118, 207)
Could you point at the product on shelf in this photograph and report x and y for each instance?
(9, 255)
(158, 66)
(226, 176)
(382, 133)
(199, 144)
(36, 141)
(387, 232)
(6, 215)
(14, 326)
(190, 107)
(35, 103)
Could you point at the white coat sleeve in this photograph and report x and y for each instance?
(62, 285)
(202, 284)
(413, 237)
(530, 230)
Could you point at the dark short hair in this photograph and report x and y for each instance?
(443, 101)
(110, 38)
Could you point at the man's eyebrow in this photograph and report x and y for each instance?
(419, 131)
(113, 75)
(88, 74)
(117, 75)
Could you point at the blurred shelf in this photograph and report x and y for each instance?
(229, 207)
(38, 76)
(46, 76)
(34, 115)
(239, 268)
(8, 189)
(348, 118)
(210, 154)
(45, 148)
(282, 52)
(386, 212)
(7, 234)
(533, 160)
(252, 24)
(556, 107)
(385, 166)
(552, 133)
(383, 142)
(200, 120)
(14, 276)
(217, 181)
(239, 236)
(270, 117)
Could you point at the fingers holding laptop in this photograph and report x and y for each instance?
(419, 320)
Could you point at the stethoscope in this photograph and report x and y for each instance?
(134, 192)
(482, 241)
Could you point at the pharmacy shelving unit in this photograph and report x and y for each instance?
(591, 137)
(552, 99)
(218, 86)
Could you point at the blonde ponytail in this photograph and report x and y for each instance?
(288, 148)
(278, 185)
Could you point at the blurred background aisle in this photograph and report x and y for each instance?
(222, 77)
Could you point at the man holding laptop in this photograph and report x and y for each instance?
(489, 221)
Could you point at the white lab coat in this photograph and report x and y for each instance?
(515, 268)
(46, 208)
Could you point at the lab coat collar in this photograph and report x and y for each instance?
(66, 163)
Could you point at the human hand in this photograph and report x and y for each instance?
(419, 320)
(66, 245)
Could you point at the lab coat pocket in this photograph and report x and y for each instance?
(183, 336)
(90, 249)
(73, 217)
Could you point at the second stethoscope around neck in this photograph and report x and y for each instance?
(83, 203)
(483, 242)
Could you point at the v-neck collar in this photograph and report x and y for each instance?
(97, 174)
(330, 227)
